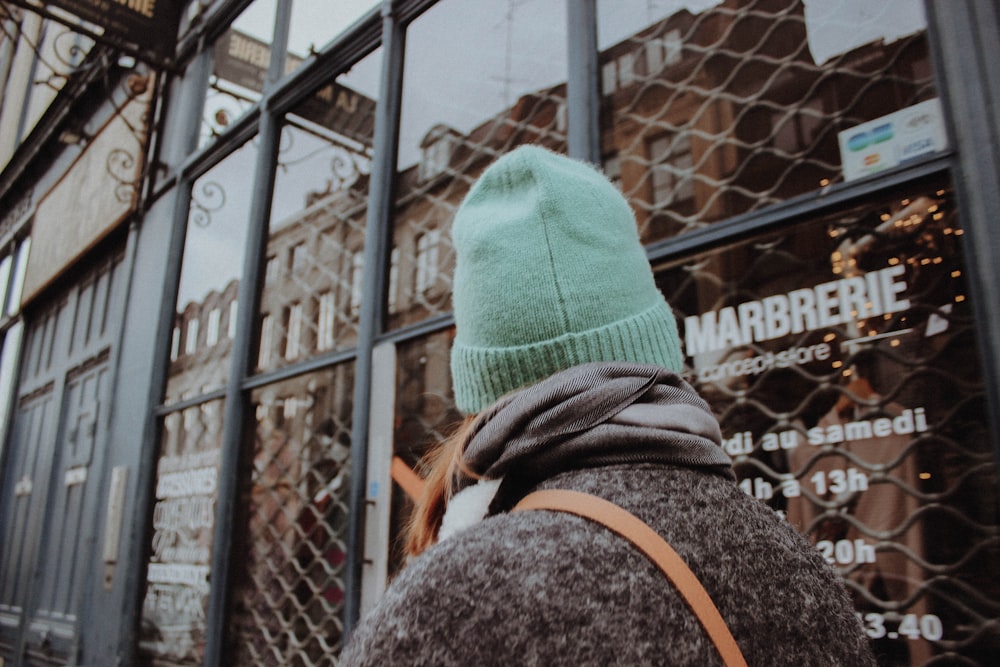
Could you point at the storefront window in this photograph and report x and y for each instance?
(210, 274)
(840, 357)
(241, 60)
(316, 22)
(289, 587)
(740, 105)
(504, 85)
(178, 576)
(425, 415)
(316, 234)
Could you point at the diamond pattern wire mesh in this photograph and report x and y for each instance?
(705, 116)
(711, 115)
(425, 414)
(311, 297)
(289, 594)
(877, 451)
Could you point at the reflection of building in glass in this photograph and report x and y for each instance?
(739, 130)
(201, 343)
(716, 114)
(311, 294)
(685, 139)
(871, 451)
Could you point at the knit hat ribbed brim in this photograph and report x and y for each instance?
(550, 273)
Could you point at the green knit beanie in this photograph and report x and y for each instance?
(549, 274)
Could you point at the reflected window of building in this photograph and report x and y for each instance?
(191, 337)
(427, 260)
(175, 344)
(840, 357)
(318, 212)
(241, 59)
(300, 258)
(768, 93)
(505, 87)
(293, 331)
(212, 329)
(671, 171)
(266, 341)
(357, 275)
(325, 317)
(393, 281)
(437, 150)
(211, 268)
(272, 270)
(231, 326)
(294, 523)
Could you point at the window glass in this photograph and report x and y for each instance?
(505, 86)
(739, 105)
(177, 578)
(316, 22)
(315, 248)
(425, 414)
(289, 580)
(210, 274)
(840, 357)
(241, 59)
(214, 318)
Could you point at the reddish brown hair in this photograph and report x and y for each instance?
(444, 467)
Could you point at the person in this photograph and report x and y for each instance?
(566, 360)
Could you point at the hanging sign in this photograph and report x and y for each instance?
(148, 24)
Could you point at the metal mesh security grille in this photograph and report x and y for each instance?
(732, 108)
(425, 414)
(288, 600)
(711, 114)
(859, 411)
(311, 294)
(311, 297)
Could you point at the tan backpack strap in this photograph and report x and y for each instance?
(655, 547)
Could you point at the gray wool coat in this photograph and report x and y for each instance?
(549, 588)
